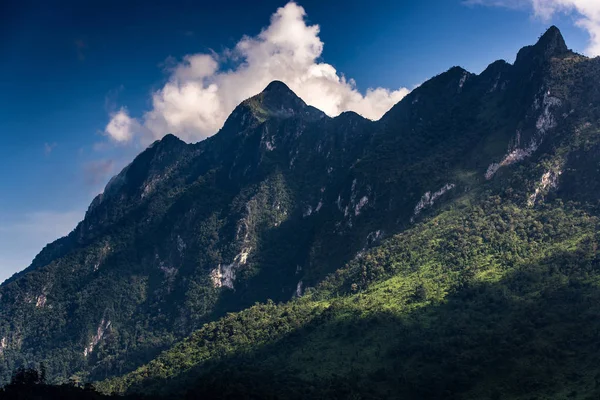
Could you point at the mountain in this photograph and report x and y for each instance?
(447, 250)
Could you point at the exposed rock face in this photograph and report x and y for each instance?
(41, 300)
(548, 181)
(429, 198)
(98, 336)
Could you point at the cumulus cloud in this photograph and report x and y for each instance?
(587, 14)
(588, 17)
(121, 127)
(201, 92)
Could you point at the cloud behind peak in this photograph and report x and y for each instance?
(586, 12)
(201, 92)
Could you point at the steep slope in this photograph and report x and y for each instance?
(283, 196)
(494, 296)
(493, 300)
(181, 235)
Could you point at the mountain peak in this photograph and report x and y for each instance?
(276, 100)
(278, 93)
(551, 44)
(167, 141)
(278, 87)
(169, 137)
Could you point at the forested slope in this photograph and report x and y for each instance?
(446, 250)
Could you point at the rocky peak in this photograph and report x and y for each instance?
(169, 139)
(278, 87)
(551, 44)
(276, 100)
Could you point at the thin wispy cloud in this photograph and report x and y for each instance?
(80, 47)
(515, 4)
(201, 92)
(22, 238)
(53, 224)
(49, 148)
(97, 172)
(586, 13)
(111, 98)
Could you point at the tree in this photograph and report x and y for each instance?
(26, 376)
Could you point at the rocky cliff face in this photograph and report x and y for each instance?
(284, 195)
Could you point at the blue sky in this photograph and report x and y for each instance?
(85, 86)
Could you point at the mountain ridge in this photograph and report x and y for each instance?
(284, 196)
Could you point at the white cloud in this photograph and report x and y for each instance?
(22, 237)
(121, 127)
(201, 92)
(588, 17)
(587, 14)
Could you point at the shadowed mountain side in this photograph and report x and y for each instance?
(486, 341)
(471, 316)
(48, 392)
(492, 348)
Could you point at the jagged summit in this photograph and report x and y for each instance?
(279, 101)
(552, 41)
(551, 44)
(277, 96)
(168, 140)
(169, 137)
